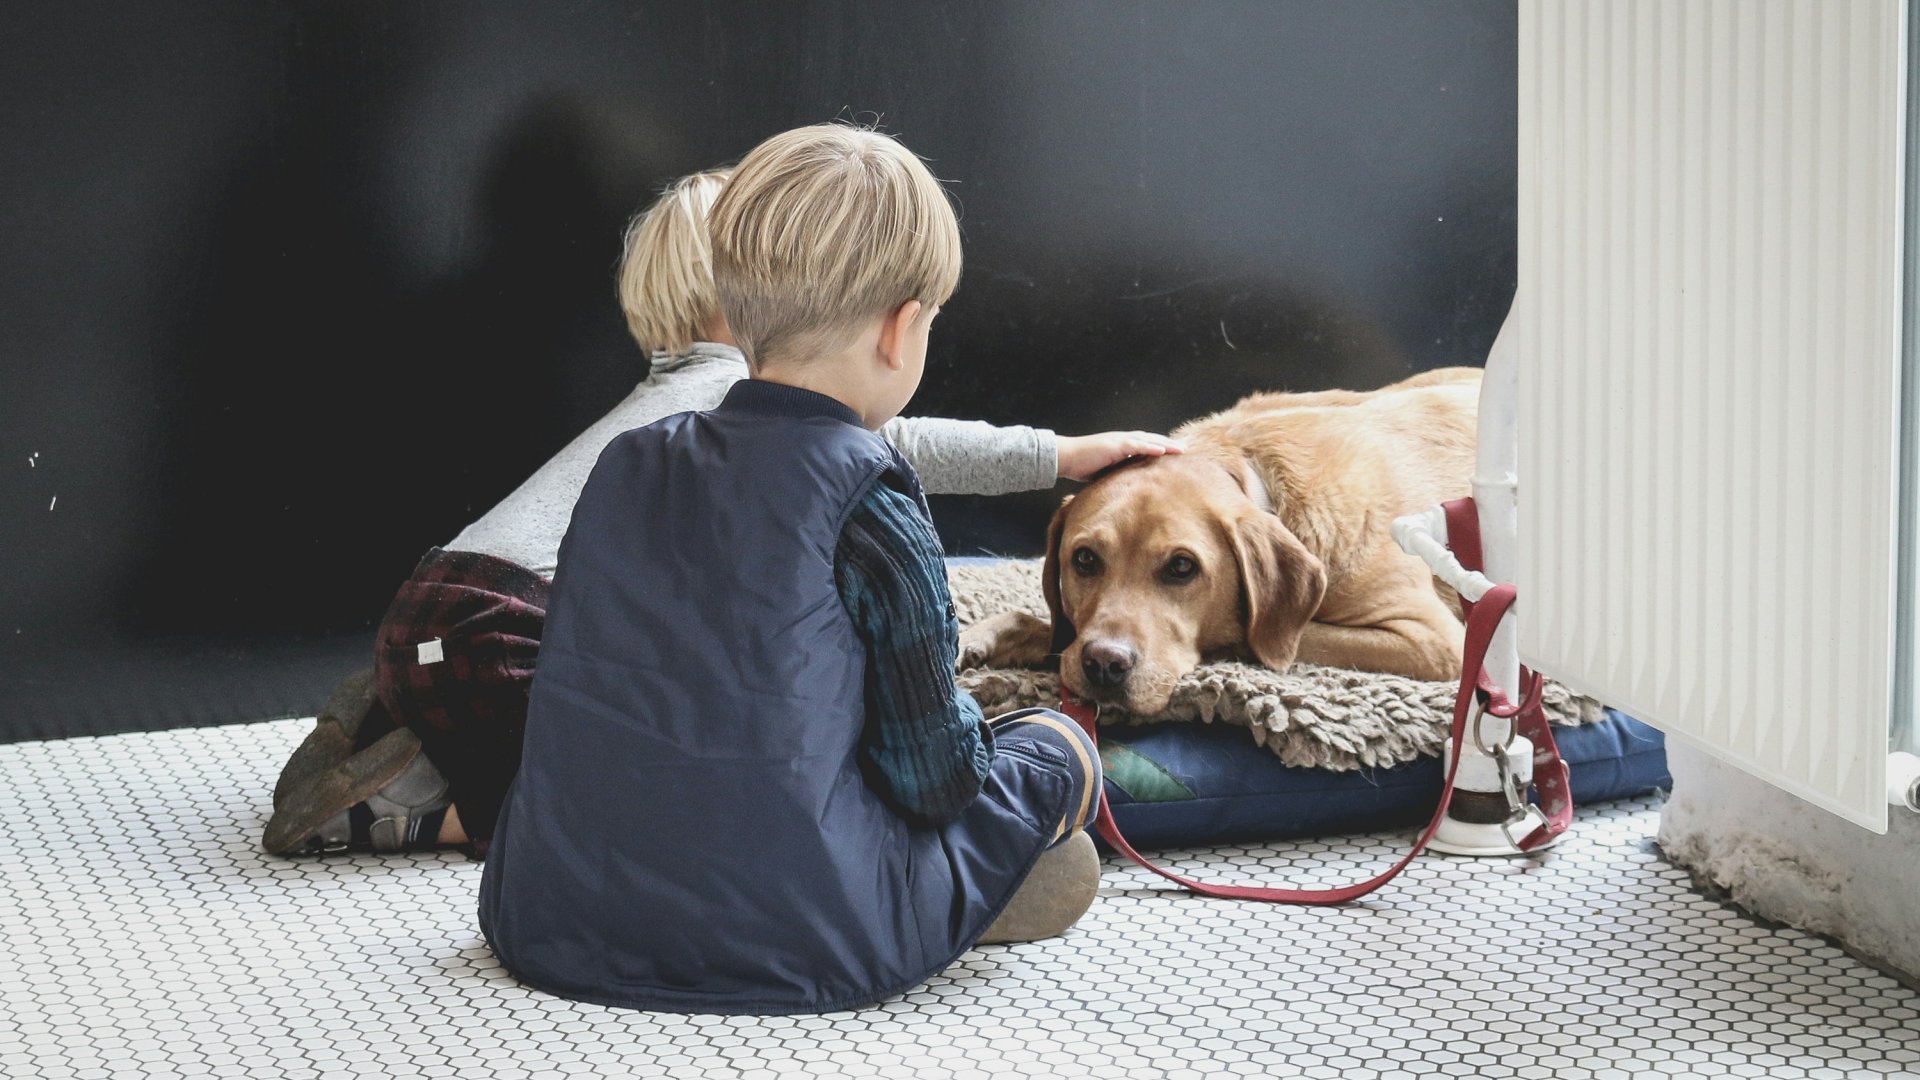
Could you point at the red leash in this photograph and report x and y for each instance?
(1482, 619)
(1550, 779)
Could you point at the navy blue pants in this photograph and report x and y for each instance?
(1052, 737)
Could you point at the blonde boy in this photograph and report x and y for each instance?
(749, 783)
(420, 754)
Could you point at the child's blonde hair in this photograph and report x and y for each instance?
(822, 229)
(666, 270)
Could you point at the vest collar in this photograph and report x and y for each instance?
(765, 398)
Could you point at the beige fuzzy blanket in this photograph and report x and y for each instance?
(1312, 716)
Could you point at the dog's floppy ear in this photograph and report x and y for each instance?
(1281, 586)
(1050, 579)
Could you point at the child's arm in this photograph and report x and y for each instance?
(925, 741)
(969, 457)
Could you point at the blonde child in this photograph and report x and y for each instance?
(666, 290)
(418, 751)
(750, 784)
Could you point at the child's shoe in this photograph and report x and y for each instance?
(352, 754)
(1057, 892)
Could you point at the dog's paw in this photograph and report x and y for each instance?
(1007, 640)
(974, 649)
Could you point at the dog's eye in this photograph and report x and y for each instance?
(1181, 568)
(1085, 561)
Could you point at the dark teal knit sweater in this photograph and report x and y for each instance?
(926, 745)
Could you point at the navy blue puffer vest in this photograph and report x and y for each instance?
(689, 830)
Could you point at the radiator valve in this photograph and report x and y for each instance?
(1903, 780)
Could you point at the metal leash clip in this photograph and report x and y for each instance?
(1518, 808)
(1511, 785)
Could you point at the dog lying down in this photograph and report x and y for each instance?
(1308, 716)
(1266, 541)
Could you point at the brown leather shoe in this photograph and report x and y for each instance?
(334, 733)
(315, 799)
(326, 775)
(1056, 893)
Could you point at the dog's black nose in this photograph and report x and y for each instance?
(1106, 663)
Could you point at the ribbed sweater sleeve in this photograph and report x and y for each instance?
(971, 457)
(925, 742)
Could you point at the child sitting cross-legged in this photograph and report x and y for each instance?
(417, 751)
(749, 783)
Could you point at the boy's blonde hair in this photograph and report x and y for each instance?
(666, 270)
(823, 229)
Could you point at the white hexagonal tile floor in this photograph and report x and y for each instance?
(142, 934)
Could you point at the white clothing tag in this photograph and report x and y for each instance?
(430, 652)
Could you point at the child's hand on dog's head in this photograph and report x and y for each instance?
(1083, 456)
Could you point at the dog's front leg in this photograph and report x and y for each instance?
(1417, 648)
(1009, 639)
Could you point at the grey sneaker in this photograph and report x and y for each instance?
(398, 808)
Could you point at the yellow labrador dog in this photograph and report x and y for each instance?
(1268, 539)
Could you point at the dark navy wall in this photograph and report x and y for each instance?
(292, 291)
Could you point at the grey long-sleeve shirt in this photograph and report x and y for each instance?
(953, 457)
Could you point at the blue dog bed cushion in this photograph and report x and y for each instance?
(1244, 752)
(1182, 784)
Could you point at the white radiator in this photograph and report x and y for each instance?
(1708, 320)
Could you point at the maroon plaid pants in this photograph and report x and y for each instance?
(454, 662)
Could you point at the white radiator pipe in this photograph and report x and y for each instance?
(1495, 494)
(1425, 535)
(1496, 491)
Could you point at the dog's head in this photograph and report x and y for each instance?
(1166, 562)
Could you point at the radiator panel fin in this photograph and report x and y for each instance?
(1709, 306)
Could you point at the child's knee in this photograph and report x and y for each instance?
(1071, 743)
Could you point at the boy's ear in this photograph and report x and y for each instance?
(894, 329)
(1050, 579)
